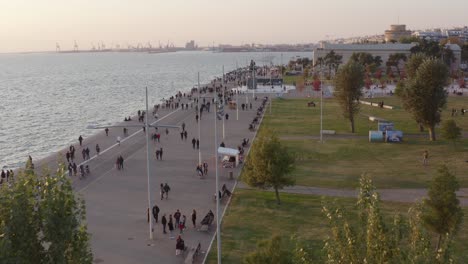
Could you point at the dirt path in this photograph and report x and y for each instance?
(395, 195)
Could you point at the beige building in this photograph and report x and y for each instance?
(396, 32)
(347, 50)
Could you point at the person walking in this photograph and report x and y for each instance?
(171, 227)
(166, 190)
(155, 213)
(181, 135)
(183, 126)
(75, 169)
(98, 149)
(177, 216)
(70, 170)
(198, 143)
(194, 141)
(121, 162)
(182, 224)
(425, 157)
(160, 153)
(83, 153)
(180, 245)
(194, 218)
(161, 191)
(87, 153)
(185, 135)
(107, 131)
(118, 140)
(164, 222)
(80, 139)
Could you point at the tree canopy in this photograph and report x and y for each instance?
(269, 164)
(41, 221)
(333, 61)
(450, 130)
(348, 84)
(373, 239)
(442, 212)
(423, 93)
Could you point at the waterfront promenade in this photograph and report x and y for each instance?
(116, 200)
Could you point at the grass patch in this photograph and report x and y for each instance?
(341, 160)
(254, 215)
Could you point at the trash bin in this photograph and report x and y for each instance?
(231, 175)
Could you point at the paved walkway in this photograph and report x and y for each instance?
(395, 195)
(116, 200)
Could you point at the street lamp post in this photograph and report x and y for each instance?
(223, 102)
(218, 220)
(321, 108)
(147, 163)
(199, 120)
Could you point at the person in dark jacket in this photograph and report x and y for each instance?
(164, 222)
(155, 213)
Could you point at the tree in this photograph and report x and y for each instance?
(269, 164)
(450, 130)
(348, 83)
(270, 251)
(42, 221)
(372, 239)
(442, 212)
(464, 53)
(423, 94)
(332, 60)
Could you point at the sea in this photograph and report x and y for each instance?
(48, 99)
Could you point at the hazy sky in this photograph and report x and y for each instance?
(32, 25)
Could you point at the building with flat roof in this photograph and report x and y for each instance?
(396, 32)
(347, 50)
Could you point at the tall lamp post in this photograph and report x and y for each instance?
(321, 106)
(218, 220)
(199, 120)
(223, 102)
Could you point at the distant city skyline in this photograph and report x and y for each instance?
(39, 25)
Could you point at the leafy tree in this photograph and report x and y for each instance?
(372, 239)
(442, 212)
(395, 58)
(270, 251)
(451, 131)
(464, 52)
(269, 164)
(447, 56)
(363, 58)
(348, 83)
(332, 60)
(423, 94)
(41, 221)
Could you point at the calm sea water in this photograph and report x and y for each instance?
(47, 100)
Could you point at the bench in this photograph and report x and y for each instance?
(192, 255)
(328, 132)
(206, 222)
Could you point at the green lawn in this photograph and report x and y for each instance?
(293, 117)
(254, 215)
(341, 160)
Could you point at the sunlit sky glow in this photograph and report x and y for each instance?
(36, 25)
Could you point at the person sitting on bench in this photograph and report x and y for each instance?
(225, 190)
(180, 245)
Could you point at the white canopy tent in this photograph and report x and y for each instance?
(229, 152)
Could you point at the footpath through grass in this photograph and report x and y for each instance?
(340, 161)
(254, 215)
